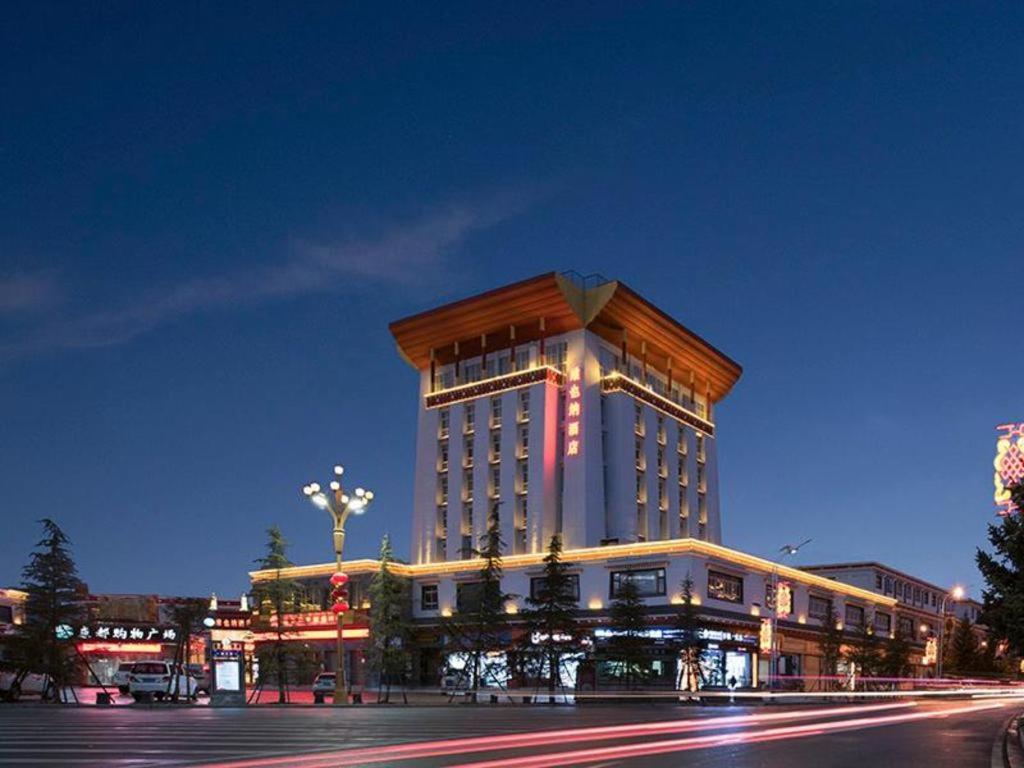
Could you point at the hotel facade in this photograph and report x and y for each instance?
(573, 407)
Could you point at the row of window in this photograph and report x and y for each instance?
(679, 394)
(499, 363)
(907, 591)
(662, 469)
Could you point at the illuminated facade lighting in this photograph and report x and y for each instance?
(1009, 465)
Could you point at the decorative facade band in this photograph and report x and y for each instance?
(494, 385)
(616, 382)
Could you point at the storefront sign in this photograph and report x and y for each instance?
(573, 410)
(117, 632)
(766, 638)
(1009, 465)
(783, 599)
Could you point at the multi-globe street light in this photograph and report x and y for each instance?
(340, 505)
(786, 550)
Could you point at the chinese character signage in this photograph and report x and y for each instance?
(1009, 465)
(122, 633)
(574, 400)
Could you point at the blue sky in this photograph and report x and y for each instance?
(209, 215)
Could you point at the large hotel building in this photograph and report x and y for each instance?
(575, 408)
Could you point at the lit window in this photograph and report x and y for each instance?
(649, 582)
(428, 597)
(725, 586)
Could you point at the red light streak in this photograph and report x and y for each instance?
(703, 742)
(519, 740)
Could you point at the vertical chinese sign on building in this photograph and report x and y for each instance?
(573, 408)
(1009, 465)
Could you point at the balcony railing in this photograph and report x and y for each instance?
(617, 382)
(495, 385)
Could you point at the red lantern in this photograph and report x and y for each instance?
(340, 607)
(339, 578)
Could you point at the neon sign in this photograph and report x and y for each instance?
(1009, 465)
(135, 634)
(573, 410)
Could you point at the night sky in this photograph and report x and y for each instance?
(209, 214)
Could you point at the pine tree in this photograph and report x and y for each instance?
(552, 634)
(864, 653)
(831, 646)
(46, 641)
(389, 623)
(963, 648)
(1003, 571)
(896, 658)
(481, 626)
(274, 598)
(692, 646)
(629, 626)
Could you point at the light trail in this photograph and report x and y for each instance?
(424, 749)
(557, 759)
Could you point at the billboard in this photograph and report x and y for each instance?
(1009, 465)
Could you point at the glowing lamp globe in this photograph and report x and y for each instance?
(339, 578)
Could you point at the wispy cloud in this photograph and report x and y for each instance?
(408, 254)
(27, 292)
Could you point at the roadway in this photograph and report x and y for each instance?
(936, 734)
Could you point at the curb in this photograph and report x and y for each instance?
(1008, 749)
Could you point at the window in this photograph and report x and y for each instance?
(467, 485)
(854, 617)
(934, 600)
(906, 627)
(442, 456)
(524, 405)
(472, 371)
(524, 441)
(467, 595)
(681, 442)
(6, 614)
(700, 447)
(878, 581)
(495, 481)
(888, 585)
(496, 411)
(524, 477)
(467, 518)
(883, 623)
(496, 445)
(443, 418)
(467, 452)
(539, 585)
(819, 608)
(469, 418)
(442, 489)
(428, 597)
(555, 354)
(725, 586)
(641, 460)
(522, 359)
(917, 595)
(638, 419)
(661, 429)
(649, 582)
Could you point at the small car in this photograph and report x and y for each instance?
(324, 683)
(156, 678)
(201, 674)
(121, 675)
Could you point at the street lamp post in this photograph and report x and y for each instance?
(340, 505)
(773, 664)
(957, 593)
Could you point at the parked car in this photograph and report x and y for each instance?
(121, 675)
(201, 674)
(157, 678)
(324, 683)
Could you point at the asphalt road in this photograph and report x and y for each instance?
(936, 734)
